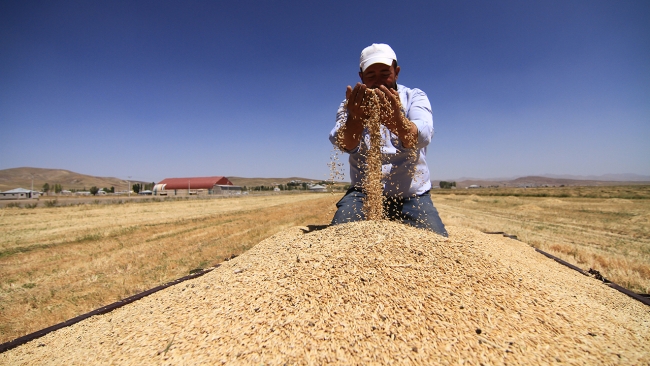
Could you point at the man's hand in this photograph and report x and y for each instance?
(397, 123)
(350, 132)
(355, 98)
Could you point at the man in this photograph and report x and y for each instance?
(405, 134)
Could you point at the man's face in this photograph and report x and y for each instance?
(377, 75)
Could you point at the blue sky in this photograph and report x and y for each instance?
(156, 89)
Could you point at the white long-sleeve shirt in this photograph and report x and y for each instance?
(397, 161)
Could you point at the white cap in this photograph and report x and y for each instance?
(377, 53)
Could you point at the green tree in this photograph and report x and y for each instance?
(447, 185)
(46, 187)
(94, 190)
(112, 189)
(57, 188)
(136, 188)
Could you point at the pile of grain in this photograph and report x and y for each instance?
(371, 292)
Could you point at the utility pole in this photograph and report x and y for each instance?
(128, 188)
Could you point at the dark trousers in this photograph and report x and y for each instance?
(416, 211)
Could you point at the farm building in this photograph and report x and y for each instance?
(18, 193)
(199, 186)
(317, 188)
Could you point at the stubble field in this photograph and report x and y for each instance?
(603, 228)
(59, 262)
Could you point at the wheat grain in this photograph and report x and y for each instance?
(372, 182)
(373, 292)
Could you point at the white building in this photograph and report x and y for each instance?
(18, 194)
(317, 188)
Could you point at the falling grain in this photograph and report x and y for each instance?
(377, 109)
(372, 183)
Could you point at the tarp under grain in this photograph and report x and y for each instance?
(371, 292)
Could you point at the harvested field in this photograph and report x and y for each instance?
(371, 292)
(60, 262)
(586, 226)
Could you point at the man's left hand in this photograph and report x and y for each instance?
(397, 123)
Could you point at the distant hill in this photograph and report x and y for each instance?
(22, 177)
(538, 181)
(604, 177)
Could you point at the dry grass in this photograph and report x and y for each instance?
(56, 263)
(584, 226)
(637, 191)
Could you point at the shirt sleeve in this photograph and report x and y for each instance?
(419, 112)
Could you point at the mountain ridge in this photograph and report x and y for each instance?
(22, 178)
(627, 177)
(540, 181)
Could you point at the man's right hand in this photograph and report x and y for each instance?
(350, 133)
(355, 99)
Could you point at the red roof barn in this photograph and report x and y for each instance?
(194, 183)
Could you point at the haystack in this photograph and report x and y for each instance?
(367, 293)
